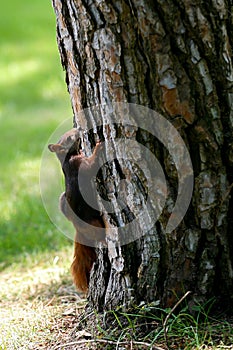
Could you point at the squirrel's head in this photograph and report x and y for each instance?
(69, 144)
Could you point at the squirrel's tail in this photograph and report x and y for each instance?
(84, 257)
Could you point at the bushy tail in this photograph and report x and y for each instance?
(84, 258)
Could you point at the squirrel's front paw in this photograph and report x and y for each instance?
(98, 146)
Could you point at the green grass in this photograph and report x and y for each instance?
(33, 101)
(150, 327)
(34, 256)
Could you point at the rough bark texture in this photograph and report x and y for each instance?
(174, 56)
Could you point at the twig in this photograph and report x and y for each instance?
(105, 341)
(170, 313)
(50, 302)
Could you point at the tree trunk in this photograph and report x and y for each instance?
(174, 57)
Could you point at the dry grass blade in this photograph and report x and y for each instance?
(170, 313)
(110, 342)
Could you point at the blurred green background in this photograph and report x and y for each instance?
(33, 102)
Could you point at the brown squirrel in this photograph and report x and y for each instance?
(78, 171)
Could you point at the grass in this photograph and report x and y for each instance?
(32, 104)
(34, 256)
(144, 328)
(34, 300)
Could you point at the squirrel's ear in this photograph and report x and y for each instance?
(56, 148)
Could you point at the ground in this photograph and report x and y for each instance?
(40, 309)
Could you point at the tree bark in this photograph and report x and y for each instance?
(174, 57)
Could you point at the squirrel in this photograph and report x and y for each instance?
(87, 220)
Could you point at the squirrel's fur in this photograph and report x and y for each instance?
(87, 220)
